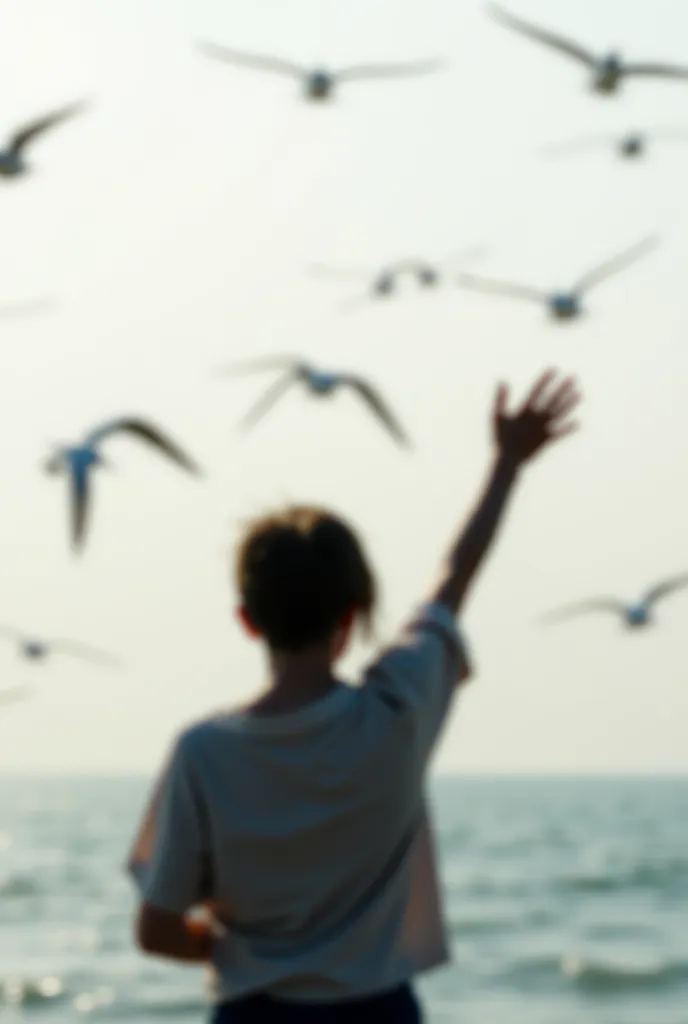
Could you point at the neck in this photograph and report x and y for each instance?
(296, 679)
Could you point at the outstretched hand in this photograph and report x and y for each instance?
(543, 418)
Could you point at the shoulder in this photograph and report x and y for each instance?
(201, 735)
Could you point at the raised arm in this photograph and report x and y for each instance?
(542, 419)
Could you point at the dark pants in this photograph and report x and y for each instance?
(397, 1007)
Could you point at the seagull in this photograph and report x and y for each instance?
(384, 282)
(78, 461)
(318, 83)
(12, 163)
(634, 616)
(320, 384)
(608, 70)
(629, 146)
(563, 305)
(34, 649)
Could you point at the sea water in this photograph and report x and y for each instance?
(567, 902)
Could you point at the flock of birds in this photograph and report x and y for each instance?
(77, 461)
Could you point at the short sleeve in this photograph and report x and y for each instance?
(418, 675)
(169, 859)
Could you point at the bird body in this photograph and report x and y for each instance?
(607, 74)
(633, 616)
(11, 164)
(637, 615)
(34, 650)
(565, 306)
(319, 84)
(78, 461)
(632, 145)
(319, 382)
(384, 285)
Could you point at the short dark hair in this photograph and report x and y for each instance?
(299, 572)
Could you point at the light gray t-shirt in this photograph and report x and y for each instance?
(307, 833)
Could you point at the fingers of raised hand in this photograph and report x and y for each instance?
(555, 433)
(563, 401)
(550, 403)
(501, 399)
(538, 390)
(557, 411)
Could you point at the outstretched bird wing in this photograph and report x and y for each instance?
(409, 265)
(541, 35)
(466, 255)
(10, 633)
(21, 308)
(30, 131)
(577, 145)
(342, 273)
(83, 651)
(677, 133)
(253, 60)
(614, 265)
(146, 432)
(269, 363)
(10, 694)
(659, 70)
(378, 407)
(664, 588)
(270, 397)
(514, 291)
(603, 604)
(358, 71)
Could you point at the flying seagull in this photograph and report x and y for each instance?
(12, 162)
(633, 616)
(318, 83)
(608, 70)
(320, 384)
(629, 146)
(384, 282)
(34, 649)
(563, 305)
(78, 462)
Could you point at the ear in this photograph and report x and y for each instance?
(247, 622)
(343, 635)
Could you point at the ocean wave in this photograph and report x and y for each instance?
(659, 876)
(165, 1008)
(463, 924)
(596, 976)
(18, 887)
(32, 992)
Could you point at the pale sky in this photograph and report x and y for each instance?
(175, 222)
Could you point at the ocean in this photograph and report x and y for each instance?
(567, 901)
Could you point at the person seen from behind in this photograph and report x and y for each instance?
(299, 823)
